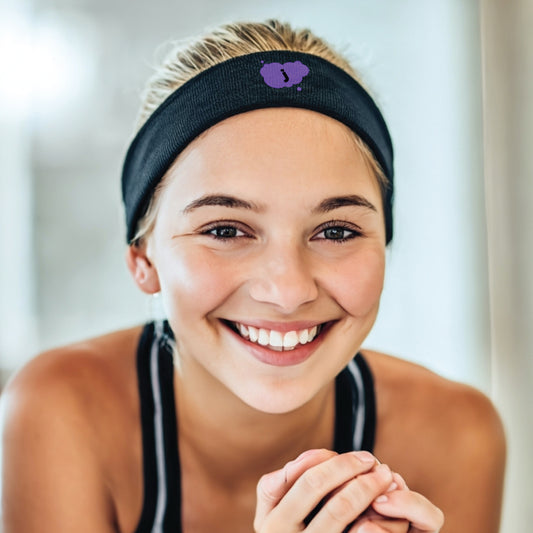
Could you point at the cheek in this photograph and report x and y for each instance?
(359, 282)
(193, 283)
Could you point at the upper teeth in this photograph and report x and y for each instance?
(277, 340)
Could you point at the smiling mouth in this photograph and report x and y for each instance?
(276, 340)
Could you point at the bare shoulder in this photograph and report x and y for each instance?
(78, 377)
(59, 415)
(445, 437)
(446, 409)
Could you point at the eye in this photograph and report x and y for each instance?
(225, 231)
(338, 232)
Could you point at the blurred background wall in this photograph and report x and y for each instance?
(453, 78)
(508, 124)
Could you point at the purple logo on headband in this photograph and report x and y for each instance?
(277, 75)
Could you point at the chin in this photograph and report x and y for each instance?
(282, 394)
(279, 403)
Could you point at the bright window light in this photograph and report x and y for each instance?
(49, 62)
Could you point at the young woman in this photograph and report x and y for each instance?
(258, 203)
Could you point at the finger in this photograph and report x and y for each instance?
(389, 525)
(400, 481)
(294, 469)
(349, 503)
(314, 484)
(373, 516)
(380, 526)
(365, 457)
(423, 515)
(367, 527)
(274, 485)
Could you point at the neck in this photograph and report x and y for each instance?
(234, 444)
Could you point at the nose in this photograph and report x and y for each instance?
(284, 278)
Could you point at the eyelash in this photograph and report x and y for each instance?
(222, 225)
(353, 230)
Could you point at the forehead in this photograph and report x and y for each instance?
(265, 147)
(264, 126)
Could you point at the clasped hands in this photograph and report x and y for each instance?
(343, 493)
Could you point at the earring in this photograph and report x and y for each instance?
(157, 308)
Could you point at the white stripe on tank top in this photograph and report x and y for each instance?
(158, 430)
(160, 338)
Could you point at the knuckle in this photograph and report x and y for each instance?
(353, 462)
(367, 485)
(361, 492)
(262, 527)
(340, 508)
(261, 481)
(364, 457)
(265, 489)
(260, 484)
(370, 485)
(315, 477)
(384, 475)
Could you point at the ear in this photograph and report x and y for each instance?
(142, 270)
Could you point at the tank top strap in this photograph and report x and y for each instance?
(161, 510)
(355, 407)
(355, 423)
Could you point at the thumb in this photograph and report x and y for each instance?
(270, 489)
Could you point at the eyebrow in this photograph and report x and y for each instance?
(220, 200)
(329, 204)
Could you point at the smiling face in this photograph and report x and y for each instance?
(269, 249)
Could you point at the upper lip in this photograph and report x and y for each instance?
(280, 326)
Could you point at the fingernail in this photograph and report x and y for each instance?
(402, 482)
(384, 472)
(365, 457)
(392, 486)
(381, 499)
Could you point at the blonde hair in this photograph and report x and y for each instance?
(189, 58)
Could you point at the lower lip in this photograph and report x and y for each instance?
(285, 358)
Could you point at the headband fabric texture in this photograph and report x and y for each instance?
(259, 80)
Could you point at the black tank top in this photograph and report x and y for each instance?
(355, 421)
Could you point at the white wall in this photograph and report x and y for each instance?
(17, 297)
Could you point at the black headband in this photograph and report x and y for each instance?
(279, 78)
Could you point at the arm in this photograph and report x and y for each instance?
(461, 460)
(445, 438)
(52, 478)
(471, 467)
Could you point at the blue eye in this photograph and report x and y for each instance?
(223, 232)
(338, 233)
